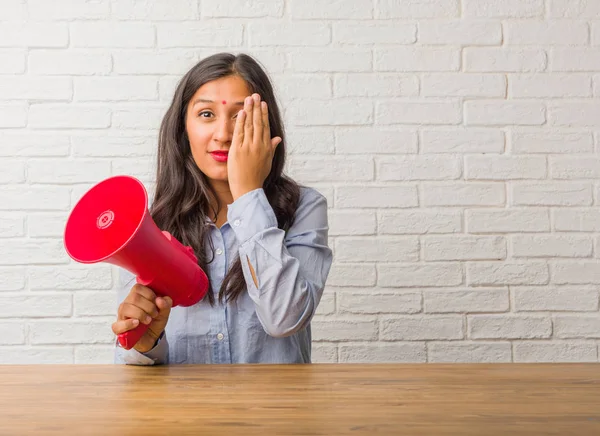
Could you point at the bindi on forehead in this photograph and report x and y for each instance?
(224, 102)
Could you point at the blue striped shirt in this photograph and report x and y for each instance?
(267, 324)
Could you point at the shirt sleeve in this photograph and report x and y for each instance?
(291, 269)
(158, 355)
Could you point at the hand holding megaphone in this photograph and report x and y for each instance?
(111, 223)
(142, 306)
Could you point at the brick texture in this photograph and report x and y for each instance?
(456, 142)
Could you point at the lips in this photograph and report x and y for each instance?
(219, 156)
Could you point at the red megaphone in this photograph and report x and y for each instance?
(111, 223)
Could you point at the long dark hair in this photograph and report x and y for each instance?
(182, 198)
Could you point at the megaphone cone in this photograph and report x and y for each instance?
(111, 223)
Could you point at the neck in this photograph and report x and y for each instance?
(224, 197)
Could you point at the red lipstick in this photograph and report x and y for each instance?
(219, 155)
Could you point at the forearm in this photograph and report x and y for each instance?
(285, 273)
(284, 299)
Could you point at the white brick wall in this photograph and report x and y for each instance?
(456, 142)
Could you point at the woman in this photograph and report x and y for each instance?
(260, 237)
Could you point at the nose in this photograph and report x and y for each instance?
(224, 131)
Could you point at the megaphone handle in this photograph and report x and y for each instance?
(131, 337)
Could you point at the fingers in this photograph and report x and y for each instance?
(134, 314)
(265, 121)
(124, 325)
(160, 322)
(139, 304)
(257, 129)
(257, 121)
(248, 122)
(275, 142)
(127, 310)
(238, 130)
(164, 305)
(144, 304)
(266, 127)
(144, 291)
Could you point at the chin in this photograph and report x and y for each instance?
(217, 176)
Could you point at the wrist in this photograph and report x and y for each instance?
(237, 193)
(144, 347)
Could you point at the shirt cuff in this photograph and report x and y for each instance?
(250, 214)
(156, 356)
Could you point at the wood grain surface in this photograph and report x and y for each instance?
(318, 399)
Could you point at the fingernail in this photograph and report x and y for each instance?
(148, 320)
(256, 98)
(136, 322)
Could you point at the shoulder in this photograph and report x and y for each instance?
(310, 196)
(311, 210)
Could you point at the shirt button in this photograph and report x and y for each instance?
(220, 336)
(219, 251)
(236, 223)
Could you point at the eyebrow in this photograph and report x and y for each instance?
(204, 100)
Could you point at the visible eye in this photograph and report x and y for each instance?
(205, 114)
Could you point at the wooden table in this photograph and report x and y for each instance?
(327, 399)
